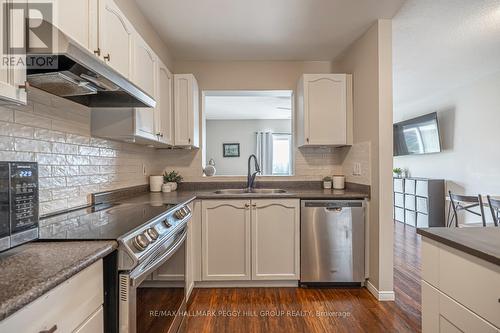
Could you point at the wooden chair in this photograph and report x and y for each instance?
(495, 210)
(465, 203)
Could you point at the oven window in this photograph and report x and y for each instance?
(161, 298)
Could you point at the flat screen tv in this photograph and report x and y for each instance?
(417, 136)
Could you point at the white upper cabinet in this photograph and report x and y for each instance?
(115, 37)
(324, 110)
(186, 110)
(77, 19)
(164, 116)
(12, 76)
(144, 74)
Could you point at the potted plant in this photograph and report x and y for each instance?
(397, 172)
(172, 178)
(327, 182)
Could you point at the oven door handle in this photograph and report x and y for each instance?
(141, 273)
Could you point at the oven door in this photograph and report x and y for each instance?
(130, 281)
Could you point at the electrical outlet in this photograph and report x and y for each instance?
(356, 170)
(144, 170)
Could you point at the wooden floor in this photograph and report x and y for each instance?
(288, 310)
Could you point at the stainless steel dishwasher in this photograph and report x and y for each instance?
(332, 242)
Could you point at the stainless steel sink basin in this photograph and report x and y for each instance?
(255, 190)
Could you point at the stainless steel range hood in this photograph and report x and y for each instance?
(73, 72)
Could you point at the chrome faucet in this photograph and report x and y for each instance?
(251, 176)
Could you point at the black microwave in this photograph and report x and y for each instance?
(18, 203)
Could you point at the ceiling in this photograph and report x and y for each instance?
(263, 29)
(441, 45)
(238, 105)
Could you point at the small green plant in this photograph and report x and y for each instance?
(327, 179)
(397, 171)
(172, 177)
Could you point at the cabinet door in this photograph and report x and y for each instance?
(275, 239)
(186, 108)
(75, 19)
(325, 109)
(226, 240)
(115, 37)
(13, 76)
(164, 113)
(144, 69)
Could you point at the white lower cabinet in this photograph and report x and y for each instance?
(73, 306)
(250, 239)
(226, 240)
(460, 292)
(275, 239)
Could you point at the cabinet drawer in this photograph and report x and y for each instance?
(410, 217)
(457, 318)
(398, 185)
(409, 202)
(399, 214)
(410, 186)
(67, 305)
(422, 220)
(422, 205)
(421, 188)
(470, 281)
(399, 200)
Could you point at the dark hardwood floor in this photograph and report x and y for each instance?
(290, 310)
(340, 310)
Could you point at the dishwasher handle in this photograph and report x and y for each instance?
(333, 204)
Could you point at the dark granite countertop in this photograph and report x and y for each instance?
(29, 271)
(481, 242)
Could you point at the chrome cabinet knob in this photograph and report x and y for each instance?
(180, 214)
(152, 233)
(140, 242)
(167, 224)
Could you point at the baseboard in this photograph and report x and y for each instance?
(380, 295)
(245, 284)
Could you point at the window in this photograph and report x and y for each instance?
(282, 153)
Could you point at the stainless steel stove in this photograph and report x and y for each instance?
(147, 235)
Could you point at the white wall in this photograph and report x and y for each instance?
(242, 132)
(469, 120)
(369, 60)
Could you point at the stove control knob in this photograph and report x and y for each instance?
(140, 242)
(167, 224)
(152, 233)
(180, 214)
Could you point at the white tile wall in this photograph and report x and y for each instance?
(72, 164)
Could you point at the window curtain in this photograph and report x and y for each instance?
(264, 152)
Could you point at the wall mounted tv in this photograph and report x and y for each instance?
(417, 136)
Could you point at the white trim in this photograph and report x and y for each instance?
(380, 295)
(245, 284)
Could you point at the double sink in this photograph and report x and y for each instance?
(250, 191)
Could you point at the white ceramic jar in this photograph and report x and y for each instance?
(338, 182)
(155, 183)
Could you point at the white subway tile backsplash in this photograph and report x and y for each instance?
(64, 148)
(32, 120)
(88, 170)
(17, 156)
(77, 160)
(65, 170)
(77, 139)
(49, 135)
(6, 114)
(67, 192)
(44, 171)
(33, 145)
(6, 143)
(52, 159)
(52, 182)
(78, 180)
(90, 151)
